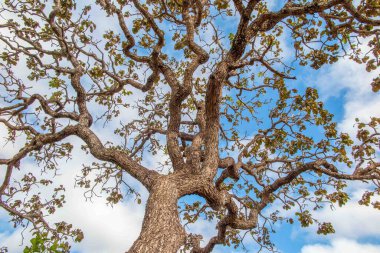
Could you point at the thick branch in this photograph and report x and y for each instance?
(122, 159)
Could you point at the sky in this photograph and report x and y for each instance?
(345, 89)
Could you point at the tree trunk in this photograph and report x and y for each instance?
(161, 230)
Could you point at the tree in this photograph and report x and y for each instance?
(214, 94)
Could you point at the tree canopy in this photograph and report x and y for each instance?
(205, 85)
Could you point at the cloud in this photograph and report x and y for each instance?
(205, 228)
(13, 241)
(106, 228)
(362, 108)
(360, 101)
(342, 245)
(343, 75)
(352, 221)
(8, 148)
(351, 81)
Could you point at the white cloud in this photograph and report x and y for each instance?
(363, 108)
(352, 221)
(350, 81)
(342, 245)
(352, 78)
(13, 241)
(8, 148)
(345, 74)
(205, 228)
(106, 228)
(360, 101)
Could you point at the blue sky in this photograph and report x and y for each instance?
(345, 89)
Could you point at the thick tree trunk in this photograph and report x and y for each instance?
(161, 230)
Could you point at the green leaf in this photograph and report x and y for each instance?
(55, 82)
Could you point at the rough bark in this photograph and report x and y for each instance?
(161, 230)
